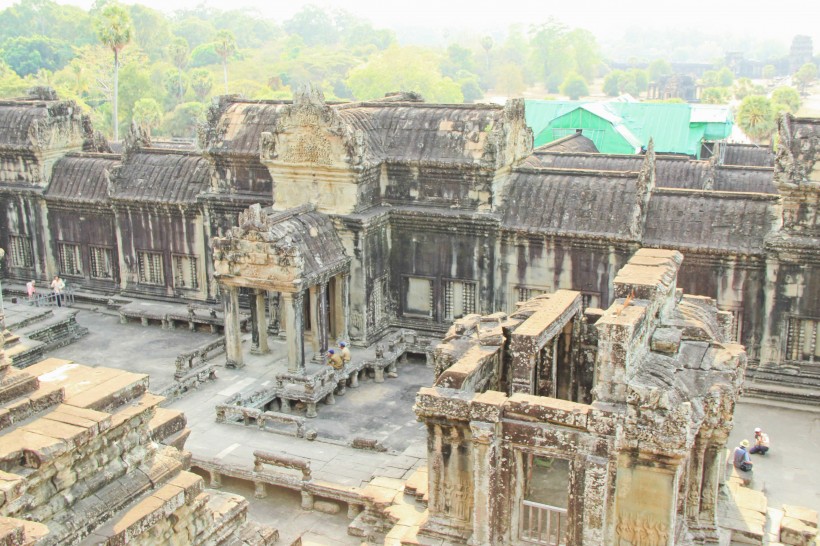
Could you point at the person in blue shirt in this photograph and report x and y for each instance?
(742, 460)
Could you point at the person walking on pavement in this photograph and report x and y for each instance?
(761, 442)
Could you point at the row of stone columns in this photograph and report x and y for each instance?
(289, 316)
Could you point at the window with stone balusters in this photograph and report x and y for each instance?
(19, 252)
(185, 272)
(101, 262)
(802, 339)
(71, 262)
(459, 299)
(151, 268)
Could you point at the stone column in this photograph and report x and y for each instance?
(292, 304)
(321, 332)
(314, 319)
(342, 305)
(260, 346)
(233, 341)
(695, 476)
(273, 310)
(254, 326)
(712, 462)
(484, 453)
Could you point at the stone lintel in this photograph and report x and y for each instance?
(447, 403)
(541, 409)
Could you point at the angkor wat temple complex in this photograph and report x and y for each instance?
(596, 316)
(430, 211)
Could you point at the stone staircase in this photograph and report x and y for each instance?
(48, 331)
(87, 456)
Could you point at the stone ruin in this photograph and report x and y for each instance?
(559, 425)
(88, 457)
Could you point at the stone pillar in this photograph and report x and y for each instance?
(484, 453)
(292, 304)
(233, 341)
(260, 327)
(314, 320)
(259, 490)
(273, 310)
(341, 305)
(712, 462)
(307, 500)
(254, 327)
(216, 479)
(694, 484)
(320, 335)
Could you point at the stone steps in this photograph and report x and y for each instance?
(55, 331)
(778, 391)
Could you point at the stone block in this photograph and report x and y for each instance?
(806, 515)
(326, 507)
(666, 340)
(796, 533)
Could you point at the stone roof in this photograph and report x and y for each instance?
(579, 203)
(161, 176)
(708, 221)
(748, 155)
(23, 120)
(235, 126)
(745, 179)
(678, 172)
(421, 132)
(576, 142)
(82, 178)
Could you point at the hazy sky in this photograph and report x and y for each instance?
(607, 18)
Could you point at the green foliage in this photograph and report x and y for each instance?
(403, 69)
(175, 83)
(201, 82)
(788, 98)
(29, 54)
(195, 31)
(557, 51)
(574, 86)
(805, 76)
(612, 82)
(151, 31)
(509, 80)
(634, 81)
(147, 113)
(46, 18)
(113, 27)
(314, 25)
(204, 55)
(658, 69)
(715, 95)
(458, 59)
(756, 117)
(11, 85)
(178, 53)
(183, 121)
(769, 71)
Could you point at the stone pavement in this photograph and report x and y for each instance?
(788, 473)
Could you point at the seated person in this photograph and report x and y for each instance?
(741, 458)
(761, 442)
(335, 360)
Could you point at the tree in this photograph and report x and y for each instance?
(725, 77)
(225, 47)
(147, 113)
(178, 51)
(151, 30)
(314, 25)
(715, 95)
(658, 69)
(805, 76)
(574, 86)
(403, 69)
(183, 121)
(769, 72)
(113, 27)
(28, 54)
(756, 117)
(612, 82)
(487, 45)
(201, 82)
(787, 97)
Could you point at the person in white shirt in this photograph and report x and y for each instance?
(761, 442)
(58, 285)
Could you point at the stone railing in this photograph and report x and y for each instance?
(542, 524)
(226, 413)
(326, 383)
(190, 361)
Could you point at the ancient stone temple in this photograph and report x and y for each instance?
(559, 424)
(430, 212)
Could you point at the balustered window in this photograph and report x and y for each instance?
(522, 293)
(545, 500)
(102, 262)
(459, 299)
(20, 253)
(71, 262)
(801, 340)
(151, 269)
(186, 274)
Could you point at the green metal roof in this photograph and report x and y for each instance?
(674, 128)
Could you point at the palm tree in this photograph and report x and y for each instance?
(225, 47)
(114, 29)
(756, 117)
(487, 45)
(178, 51)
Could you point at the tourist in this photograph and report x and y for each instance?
(761, 442)
(58, 285)
(30, 289)
(335, 360)
(742, 461)
(344, 352)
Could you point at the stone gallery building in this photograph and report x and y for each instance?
(398, 213)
